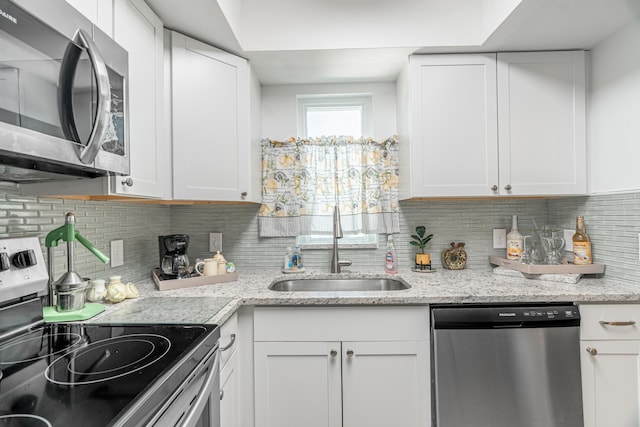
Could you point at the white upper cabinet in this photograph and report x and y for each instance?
(140, 32)
(99, 12)
(541, 123)
(211, 124)
(487, 124)
(453, 116)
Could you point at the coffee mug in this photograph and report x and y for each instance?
(208, 267)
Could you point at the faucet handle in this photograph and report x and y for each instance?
(344, 263)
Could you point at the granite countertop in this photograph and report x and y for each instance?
(215, 303)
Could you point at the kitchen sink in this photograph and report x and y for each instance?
(339, 285)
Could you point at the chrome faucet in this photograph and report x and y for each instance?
(337, 234)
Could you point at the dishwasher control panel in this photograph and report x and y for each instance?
(484, 316)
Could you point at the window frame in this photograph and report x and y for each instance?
(326, 101)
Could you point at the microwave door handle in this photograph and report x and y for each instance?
(89, 152)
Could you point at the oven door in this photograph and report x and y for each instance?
(197, 403)
(63, 92)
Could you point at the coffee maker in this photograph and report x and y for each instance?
(174, 262)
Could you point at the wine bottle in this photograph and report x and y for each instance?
(581, 244)
(514, 241)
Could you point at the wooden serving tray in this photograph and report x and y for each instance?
(165, 285)
(547, 269)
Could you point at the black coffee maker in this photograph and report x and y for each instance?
(174, 262)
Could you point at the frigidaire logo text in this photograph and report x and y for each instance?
(7, 16)
(506, 315)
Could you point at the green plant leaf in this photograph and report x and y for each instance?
(420, 230)
(415, 244)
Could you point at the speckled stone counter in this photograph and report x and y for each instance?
(217, 302)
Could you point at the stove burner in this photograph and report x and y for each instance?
(31, 344)
(107, 359)
(23, 420)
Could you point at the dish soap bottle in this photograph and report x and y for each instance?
(391, 260)
(581, 244)
(514, 240)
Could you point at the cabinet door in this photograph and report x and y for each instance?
(229, 388)
(298, 384)
(210, 92)
(541, 118)
(611, 383)
(454, 146)
(384, 384)
(99, 12)
(139, 31)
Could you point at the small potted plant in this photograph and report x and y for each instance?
(420, 241)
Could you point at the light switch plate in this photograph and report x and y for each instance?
(499, 238)
(215, 242)
(117, 253)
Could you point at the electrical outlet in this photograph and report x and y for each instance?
(117, 253)
(499, 238)
(215, 242)
(568, 239)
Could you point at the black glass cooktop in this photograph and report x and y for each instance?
(90, 375)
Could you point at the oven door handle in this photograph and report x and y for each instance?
(103, 114)
(193, 416)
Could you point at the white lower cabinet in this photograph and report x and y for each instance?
(332, 366)
(610, 342)
(229, 373)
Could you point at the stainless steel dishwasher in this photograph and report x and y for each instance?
(505, 366)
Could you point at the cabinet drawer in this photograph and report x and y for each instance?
(610, 322)
(228, 339)
(390, 323)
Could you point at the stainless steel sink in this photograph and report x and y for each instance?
(339, 285)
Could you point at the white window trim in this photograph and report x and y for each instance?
(359, 241)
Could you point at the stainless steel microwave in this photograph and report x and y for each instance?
(63, 95)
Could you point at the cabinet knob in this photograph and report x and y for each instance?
(592, 351)
(494, 188)
(221, 394)
(243, 195)
(128, 182)
(349, 353)
(333, 353)
(507, 187)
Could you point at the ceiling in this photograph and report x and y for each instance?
(343, 41)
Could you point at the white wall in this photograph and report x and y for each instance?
(279, 117)
(614, 128)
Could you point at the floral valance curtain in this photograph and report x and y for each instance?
(302, 180)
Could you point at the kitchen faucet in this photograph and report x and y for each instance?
(337, 234)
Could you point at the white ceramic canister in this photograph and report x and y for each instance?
(97, 291)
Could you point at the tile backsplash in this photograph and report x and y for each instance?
(612, 221)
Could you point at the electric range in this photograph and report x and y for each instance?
(83, 374)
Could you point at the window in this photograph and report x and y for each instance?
(328, 115)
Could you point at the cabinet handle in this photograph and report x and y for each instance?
(507, 187)
(228, 346)
(349, 353)
(333, 353)
(243, 195)
(592, 351)
(128, 182)
(494, 188)
(627, 323)
(221, 394)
